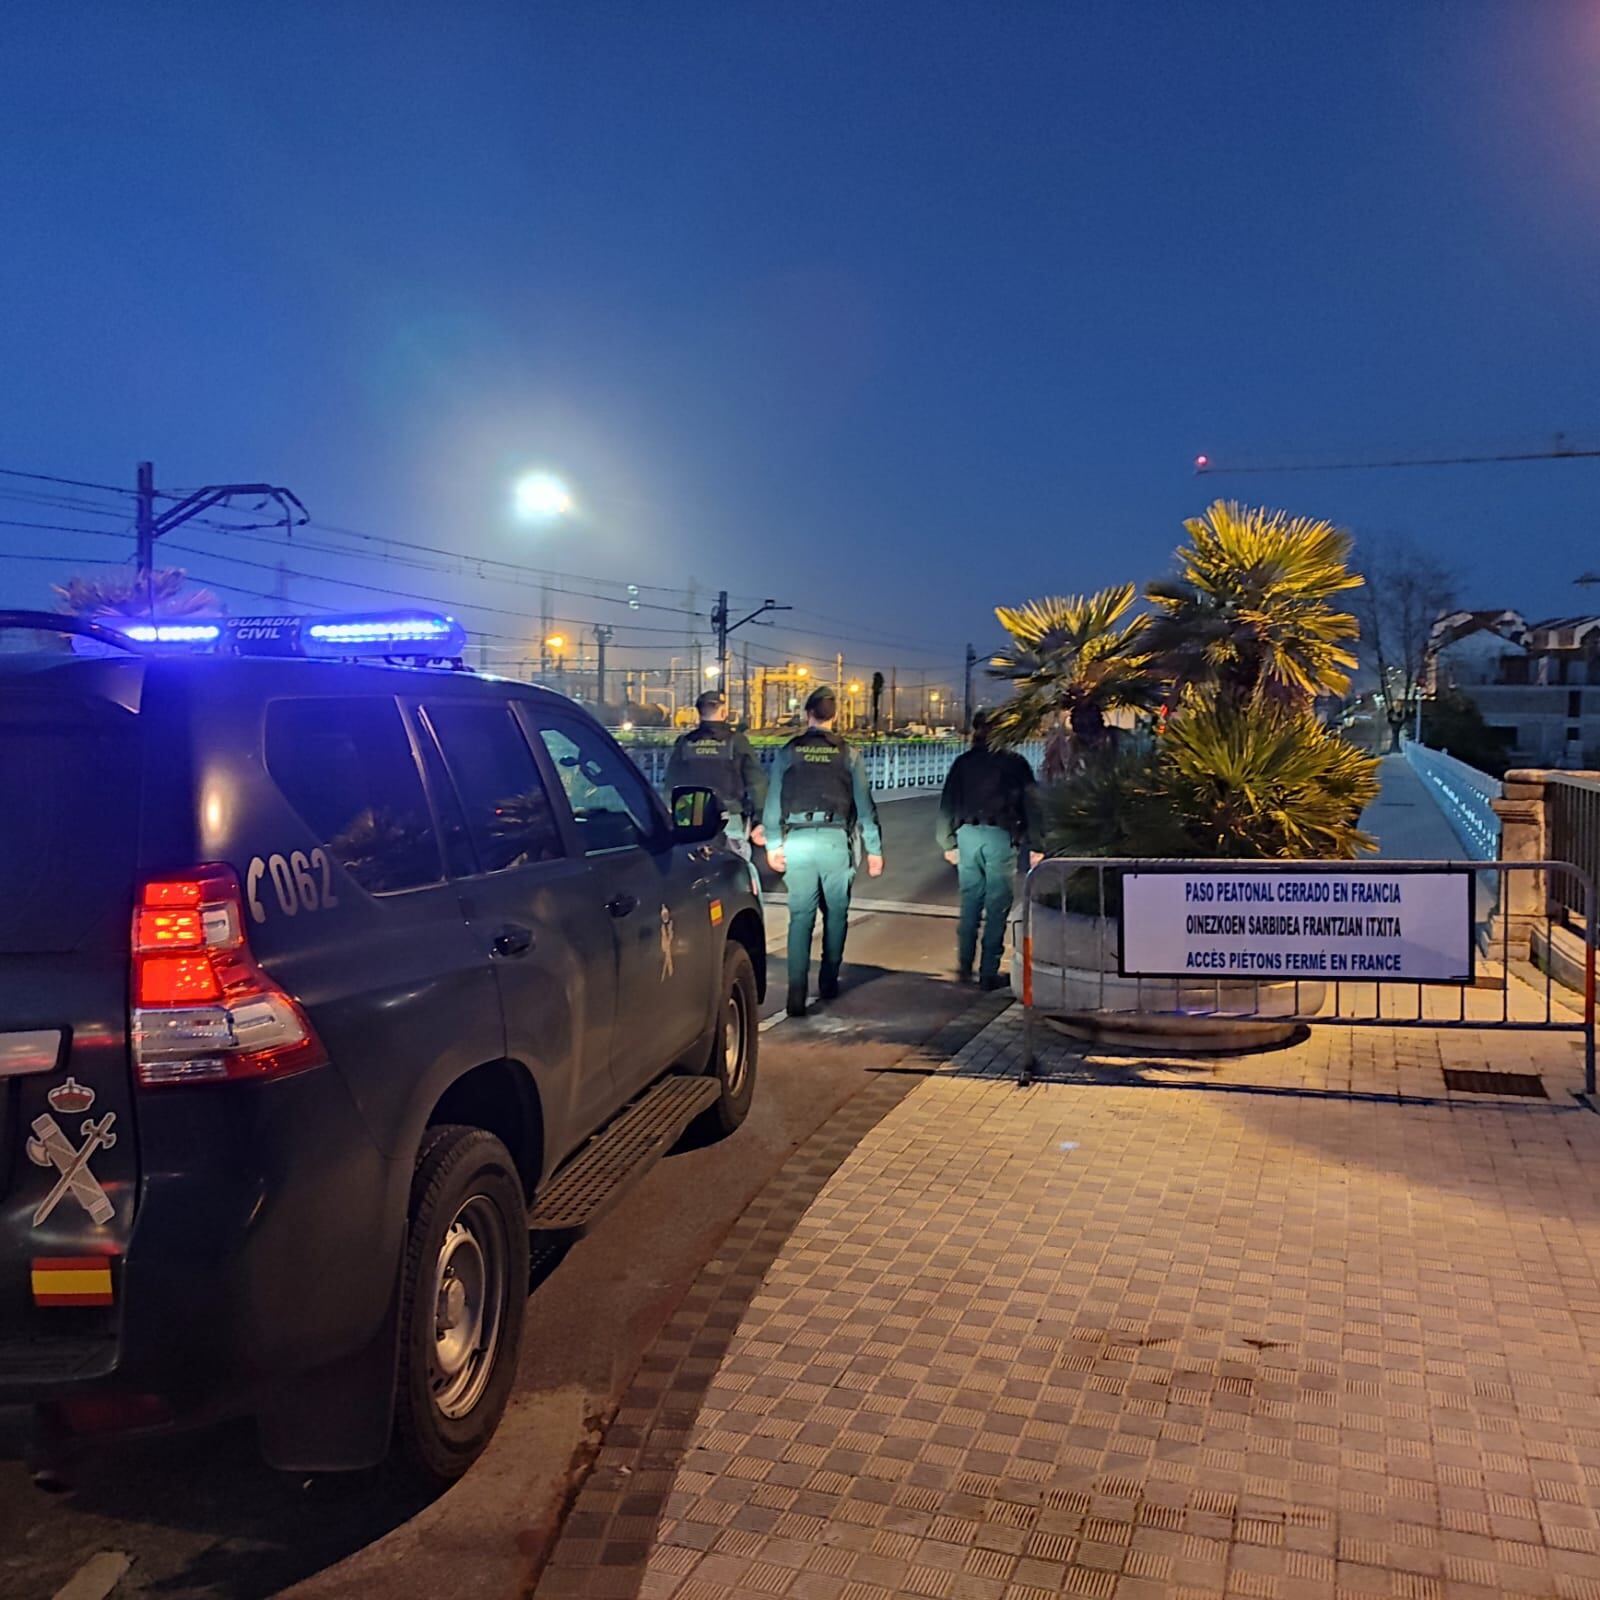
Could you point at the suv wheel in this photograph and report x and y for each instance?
(464, 1296)
(735, 1043)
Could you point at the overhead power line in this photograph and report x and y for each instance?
(71, 483)
(1557, 450)
(64, 527)
(417, 555)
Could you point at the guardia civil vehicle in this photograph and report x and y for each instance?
(328, 972)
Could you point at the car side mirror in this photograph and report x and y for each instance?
(697, 816)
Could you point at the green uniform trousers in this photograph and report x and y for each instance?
(986, 872)
(819, 867)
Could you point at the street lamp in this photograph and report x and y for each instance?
(713, 672)
(554, 644)
(542, 497)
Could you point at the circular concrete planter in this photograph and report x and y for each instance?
(1077, 985)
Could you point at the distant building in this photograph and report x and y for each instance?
(1538, 681)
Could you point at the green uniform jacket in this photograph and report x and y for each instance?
(866, 807)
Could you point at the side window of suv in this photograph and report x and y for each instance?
(346, 766)
(509, 814)
(610, 801)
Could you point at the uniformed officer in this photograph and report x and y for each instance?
(988, 810)
(713, 756)
(818, 799)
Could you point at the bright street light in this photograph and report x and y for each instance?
(541, 497)
(802, 672)
(556, 642)
(713, 671)
(855, 688)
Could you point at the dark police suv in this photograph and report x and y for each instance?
(322, 982)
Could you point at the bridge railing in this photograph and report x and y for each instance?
(894, 766)
(1464, 794)
(1572, 819)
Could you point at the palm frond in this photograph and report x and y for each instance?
(1260, 780)
(1076, 661)
(126, 594)
(1250, 611)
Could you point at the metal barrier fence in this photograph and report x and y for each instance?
(894, 766)
(1463, 794)
(1572, 813)
(1072, 959)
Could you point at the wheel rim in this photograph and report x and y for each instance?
(735, 1042)
(469, 1292)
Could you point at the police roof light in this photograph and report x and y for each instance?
(413, 635)
(169, 632)
(409, 633)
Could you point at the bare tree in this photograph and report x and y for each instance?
(1406, 591)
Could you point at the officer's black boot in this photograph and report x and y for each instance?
(828, 984)
(797, 1000)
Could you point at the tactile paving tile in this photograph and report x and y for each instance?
(1294, 1325)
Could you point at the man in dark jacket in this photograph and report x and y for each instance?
(713, 756)
(989, 809)
(819, 802)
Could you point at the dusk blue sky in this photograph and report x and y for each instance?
(894, 311)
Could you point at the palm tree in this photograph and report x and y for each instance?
(1249, 616)
(1260, 780)
(127, 594)
(1076, 661)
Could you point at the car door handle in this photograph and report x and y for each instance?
(619, 905)
(513, 940)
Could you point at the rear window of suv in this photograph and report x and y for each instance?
(69, 817)
(346, 766)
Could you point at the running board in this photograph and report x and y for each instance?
(620, 1154)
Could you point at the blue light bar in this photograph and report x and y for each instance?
(408, 633)
(197, 633)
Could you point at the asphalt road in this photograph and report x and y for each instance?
(201, 1517)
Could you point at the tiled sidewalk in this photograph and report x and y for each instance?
(1314, 1328)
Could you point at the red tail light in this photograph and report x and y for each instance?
(203, 1010)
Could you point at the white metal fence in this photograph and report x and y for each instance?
(896, 766)
(1463, 794)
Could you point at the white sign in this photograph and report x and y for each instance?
(1355, 926)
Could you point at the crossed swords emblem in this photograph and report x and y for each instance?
(50, 1147)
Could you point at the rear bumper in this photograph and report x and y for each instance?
(264, 1245)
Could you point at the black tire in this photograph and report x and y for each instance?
(737, 1031)
(452, 1392)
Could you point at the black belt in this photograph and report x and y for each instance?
(815, 819)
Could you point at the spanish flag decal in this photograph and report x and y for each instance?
(72, 1280)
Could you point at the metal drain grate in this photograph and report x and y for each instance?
(603, 1169)
(1528, 1084)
